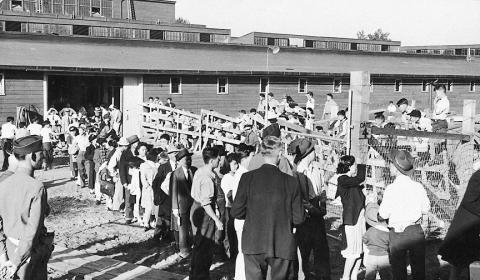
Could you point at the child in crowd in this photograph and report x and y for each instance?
(376, 242)
(47, 135)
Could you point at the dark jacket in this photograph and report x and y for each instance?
(180, 190)
(353, 199)
(125, 158)
(316, 207)
(461, 245)
(160, 197)
(271, 204)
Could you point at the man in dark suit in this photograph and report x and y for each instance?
(161, 199)
(180, 187)
(270, 202)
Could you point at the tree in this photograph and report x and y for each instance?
(181, 20)
(378, 35)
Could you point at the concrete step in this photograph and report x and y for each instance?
(84, 265)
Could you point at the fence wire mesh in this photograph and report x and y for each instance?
(442, 166)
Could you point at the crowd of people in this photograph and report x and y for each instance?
(250, 203)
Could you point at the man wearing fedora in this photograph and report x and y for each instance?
(311, 235)
(25, 245)
(270, 202)
(404, 203)
(180, 188)
(126, 178)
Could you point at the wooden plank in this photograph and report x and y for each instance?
(173, 110)
(315, 135)
(421, 134)
(219, 116)
(170, 129)
(288, 125)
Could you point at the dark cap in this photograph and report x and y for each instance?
(415, 113)
(27, 145)
(271, 130)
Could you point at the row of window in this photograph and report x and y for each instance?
(112, 32)
(462, 51)
(93, 8)
(284, 42)
(264, 85)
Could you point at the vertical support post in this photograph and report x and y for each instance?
(360, 86)
(468, 123)
(45, 94)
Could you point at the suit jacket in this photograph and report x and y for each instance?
(159, 196)
(123, 167)
(180, 190)
(271, 204)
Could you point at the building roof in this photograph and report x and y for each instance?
(318, 38)
(55, 53)
(441, 47)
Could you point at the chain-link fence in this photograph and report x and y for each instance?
(443, 165)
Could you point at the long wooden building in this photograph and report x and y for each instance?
(54, 52)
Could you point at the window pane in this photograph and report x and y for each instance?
(175, 85)
(263, 85)
(398, 85)
(302, 85)
(337, 86)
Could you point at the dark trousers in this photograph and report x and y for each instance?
(230, 241)
(8, 143)
(73, 166)
(129, 202)
(203, 244)
(411, 240)
(90, 167)
(312, 238)
(182, 233)
(163, 219)
(48, 154)
(256, 267)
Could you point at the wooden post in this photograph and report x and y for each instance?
(468, 123)
(360, 85)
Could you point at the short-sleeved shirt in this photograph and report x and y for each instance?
(331, 109)
(442, 108)
(8, 130)
(46, 134)
(203, 186)
(404, 202)
(227, 185)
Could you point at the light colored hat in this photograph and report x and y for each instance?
(123, 141)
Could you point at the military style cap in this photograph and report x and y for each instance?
(27, 145)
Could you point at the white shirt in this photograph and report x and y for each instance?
(331, 109)
(82, 142)
(442, 108)
(404, 202)
(34, 129)
(227, 185)
(241, 170)
(187, 173)
(310, 103)
(46, 133)
(314, 179)
(8, 130)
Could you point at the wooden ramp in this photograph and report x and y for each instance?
(88, 266)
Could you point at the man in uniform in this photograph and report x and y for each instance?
(25, 246)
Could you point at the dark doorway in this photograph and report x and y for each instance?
(83, 91)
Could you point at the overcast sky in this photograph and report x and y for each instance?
(414, 22)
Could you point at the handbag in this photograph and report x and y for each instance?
(107, 186)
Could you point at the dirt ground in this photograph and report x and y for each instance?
(80, 224)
